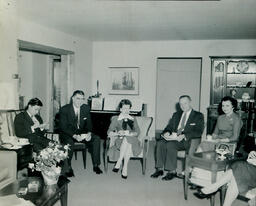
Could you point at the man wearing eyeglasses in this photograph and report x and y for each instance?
(76, 126)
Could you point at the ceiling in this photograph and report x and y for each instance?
(104, 20)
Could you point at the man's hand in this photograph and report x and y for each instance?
(88, 136)
(43, 126)
(180, 137)
(77, 137)
(166, 135)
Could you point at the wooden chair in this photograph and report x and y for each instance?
(144, 125)
(80, 147)
(182, 154)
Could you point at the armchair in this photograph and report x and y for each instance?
(144, 125)
(8, 167)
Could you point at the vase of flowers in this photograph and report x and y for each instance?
(48, 162)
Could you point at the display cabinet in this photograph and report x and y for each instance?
(236, 77)
(233, 76)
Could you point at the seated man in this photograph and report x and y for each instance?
(76, 126)
(184, 126)
(29, 124)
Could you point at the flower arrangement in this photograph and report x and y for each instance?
(49, 159)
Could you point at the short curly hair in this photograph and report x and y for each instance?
(34, 102)
(124, 102)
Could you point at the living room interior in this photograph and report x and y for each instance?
(75, 45)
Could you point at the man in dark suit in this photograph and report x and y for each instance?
(29, 124)
(76, 126)
(184, 126)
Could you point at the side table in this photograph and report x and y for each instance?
(46, 195)
(207, 161)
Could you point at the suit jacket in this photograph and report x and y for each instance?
(193, 128)
(23, 124)
(68, 120)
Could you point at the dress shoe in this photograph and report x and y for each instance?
(97, 170)
(194, 187)
(157, 173)
(115, 170)
(124, 177)
(70, 173)
(169, 176)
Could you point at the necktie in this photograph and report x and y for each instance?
(77, 118)
(182, 124)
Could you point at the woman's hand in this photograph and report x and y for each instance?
(252, 155)
(112, 134)
(36, 125)
(133, 134)
(224, 140)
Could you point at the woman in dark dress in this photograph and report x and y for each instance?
(240, 178)
(123, 132)
(29, 124)
(227, 128)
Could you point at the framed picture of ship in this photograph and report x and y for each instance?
(124, 80)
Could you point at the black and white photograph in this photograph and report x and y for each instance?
(128, 102)
(124, 80)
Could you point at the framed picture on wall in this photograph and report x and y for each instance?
(124, 80)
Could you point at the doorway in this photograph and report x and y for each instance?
(176, 77)
(44, 72)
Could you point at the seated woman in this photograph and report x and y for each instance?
(29, 124)
(227, 128)
(239, 179)
(124, 132)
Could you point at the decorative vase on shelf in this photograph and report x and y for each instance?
(50, 178)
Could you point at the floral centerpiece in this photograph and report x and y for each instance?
(48, 162)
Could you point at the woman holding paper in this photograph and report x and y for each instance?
(239, 179)
(29, 124)
(123, 132)
(227, 128)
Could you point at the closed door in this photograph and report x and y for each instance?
(176, 77)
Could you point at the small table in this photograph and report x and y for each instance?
(208, 161)
(46, 195)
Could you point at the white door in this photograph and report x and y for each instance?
(176, 77)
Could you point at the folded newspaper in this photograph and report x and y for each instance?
(252, 161)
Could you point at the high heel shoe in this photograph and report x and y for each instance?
(199, 194)
(124, 177)
(115, 170)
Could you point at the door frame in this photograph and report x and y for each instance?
(51, 51)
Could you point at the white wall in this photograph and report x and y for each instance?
(144, 55)
(13, 27)
(82, 48)
(8, 45)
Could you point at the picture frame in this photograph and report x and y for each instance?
(124, 80)
(97, 103)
